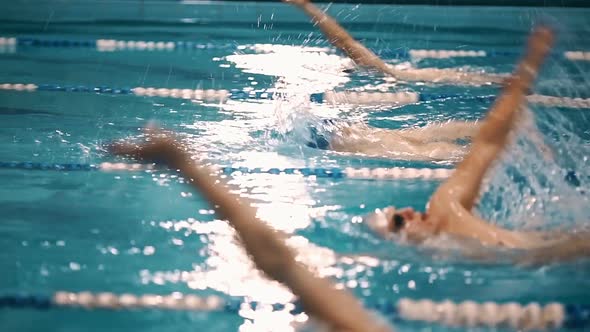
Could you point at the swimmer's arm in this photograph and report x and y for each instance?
(446, 131)
(494, 132)
(264, 245)
(341, 39)
(362, 56)
(570, 248)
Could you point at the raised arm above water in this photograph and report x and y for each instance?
(266, 247)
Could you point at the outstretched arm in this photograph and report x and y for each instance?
(264, 245)
(340, 38)
(362, 56)
(494, 131)
(569, 248)
(445, 131)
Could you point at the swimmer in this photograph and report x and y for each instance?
(337, 308)
(443, 141)
(449, 211)
(434, 142)
(363, 57)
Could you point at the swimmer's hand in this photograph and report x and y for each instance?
(297, 2)
(159, 146)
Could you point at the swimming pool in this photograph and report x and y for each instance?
(145, 233)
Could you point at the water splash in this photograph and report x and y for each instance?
(531, 188)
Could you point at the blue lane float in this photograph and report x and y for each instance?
(111, 45)
(467, 313)
(48, 166)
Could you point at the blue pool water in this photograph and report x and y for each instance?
(147, 233)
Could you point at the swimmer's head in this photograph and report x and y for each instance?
(408, 223)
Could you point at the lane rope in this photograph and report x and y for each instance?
(467, 313)
(332, 97)
(363, 173)
(420, 54)
(318, 172)
(112, 45)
